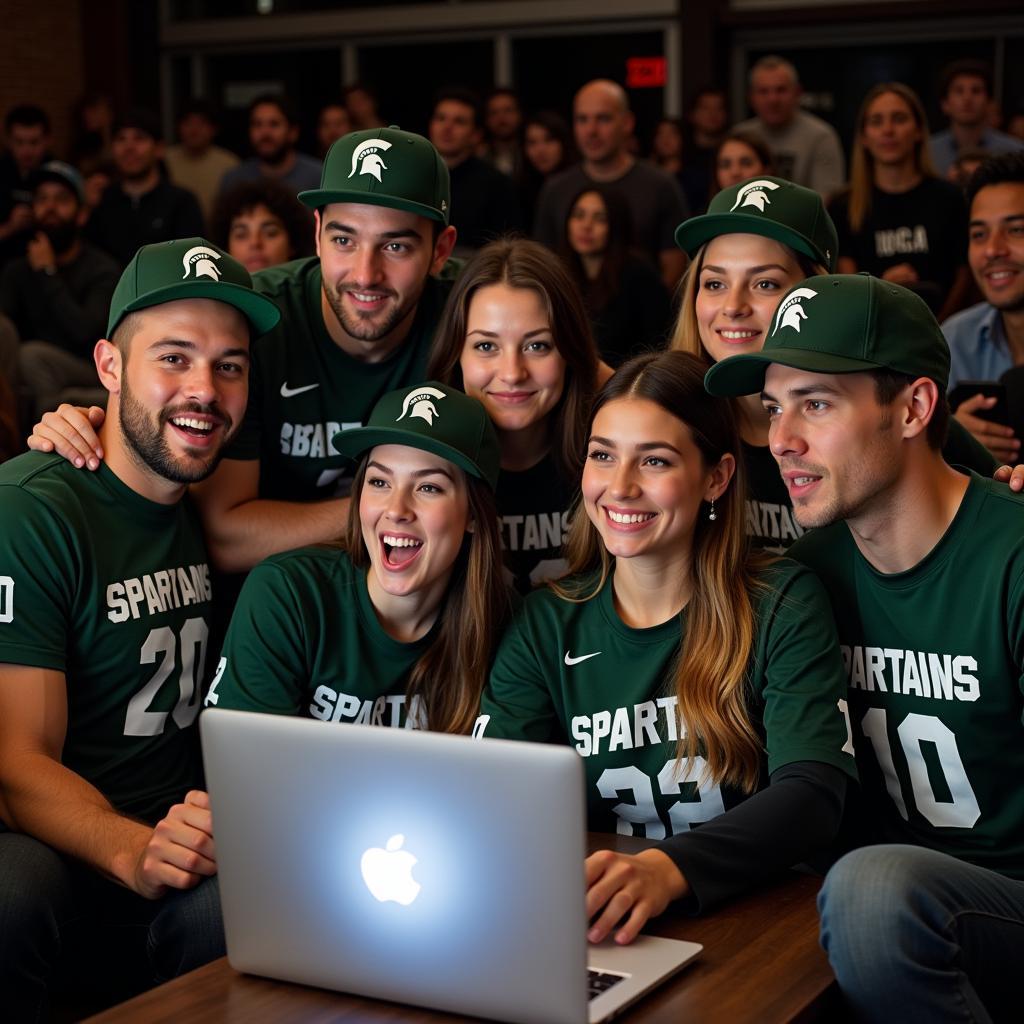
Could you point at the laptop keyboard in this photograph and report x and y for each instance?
(600, 981)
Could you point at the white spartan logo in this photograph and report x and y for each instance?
(755, 193)
(419, 403)
(791, 312)
(367, 154)
(199, 262)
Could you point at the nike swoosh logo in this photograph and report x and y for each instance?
(569, 660)
(287, 392)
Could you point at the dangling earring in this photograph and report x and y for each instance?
(712, 515)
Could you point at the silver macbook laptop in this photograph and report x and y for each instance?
(436, 870)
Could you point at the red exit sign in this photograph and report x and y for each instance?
(645, 72)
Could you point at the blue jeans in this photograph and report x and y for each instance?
(57, 915)
(917, 935)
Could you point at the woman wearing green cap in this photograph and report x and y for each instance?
(516, 336)
(700, 684)
(758, 239)
(398, 626)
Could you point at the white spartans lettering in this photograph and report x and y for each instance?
(912, 673)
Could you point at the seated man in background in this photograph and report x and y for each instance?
(141, 207)
(104, 616)
(925, 569)
(988, 339)
(57, 296)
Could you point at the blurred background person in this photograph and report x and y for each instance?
(194, 162)
(739, 156)
(627, 303)
(706, 122)
(27, 139)
(503, 121)
(332, 122)
(57, 295)
(273, 134)
(141, 206)
(548, 149)
(667, 145)
(261, 224)
(897, 219)
(361, 103)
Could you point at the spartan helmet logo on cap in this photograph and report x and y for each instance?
(418, 403)
(199, 262)
(366, 158)
(791, 312)
(754, 193)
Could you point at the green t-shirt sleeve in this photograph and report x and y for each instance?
(962, 448)
(517, 702)
(263, 664)
(802, 682)
(38, 576)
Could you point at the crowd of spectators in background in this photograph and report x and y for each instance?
(67, 228)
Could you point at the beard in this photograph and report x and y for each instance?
(148, 447)
(367, 327)
(62, 235)
(273, 156)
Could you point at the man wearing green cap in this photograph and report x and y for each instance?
(357, 321)
(925, 568)
(104, 618)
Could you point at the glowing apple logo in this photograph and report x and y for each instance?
(388, 872)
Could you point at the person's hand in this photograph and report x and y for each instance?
(999, 440)
(70, 432)
(180, 851)
(640, 885)
(1013, 475)
(40, 254)
(900, 273)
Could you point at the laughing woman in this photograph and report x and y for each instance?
(699, 686)
(400, 627)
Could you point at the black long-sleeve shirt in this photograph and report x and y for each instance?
(68, 308)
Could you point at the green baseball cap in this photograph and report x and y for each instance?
(189, 268)
(772, 207)
(842, 323)
(435, 418)
(385, 167)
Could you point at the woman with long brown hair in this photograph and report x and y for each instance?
(700, 685)
(897, 219)
(399, 625)
(515, 336)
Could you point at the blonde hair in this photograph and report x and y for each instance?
(710, 678)
(862, 163)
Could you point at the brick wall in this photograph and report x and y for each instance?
(41, 59)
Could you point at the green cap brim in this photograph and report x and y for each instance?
(261, 312)
(317, 197)
(693, 233)
(744, 375)
(353, 443)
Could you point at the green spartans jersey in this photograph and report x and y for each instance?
(305, 640)
(113, 591)
(575, 673)
(934, 658)
(303, 388)
(534, 510)
(771, 524)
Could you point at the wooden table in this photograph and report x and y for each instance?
(761, 963)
